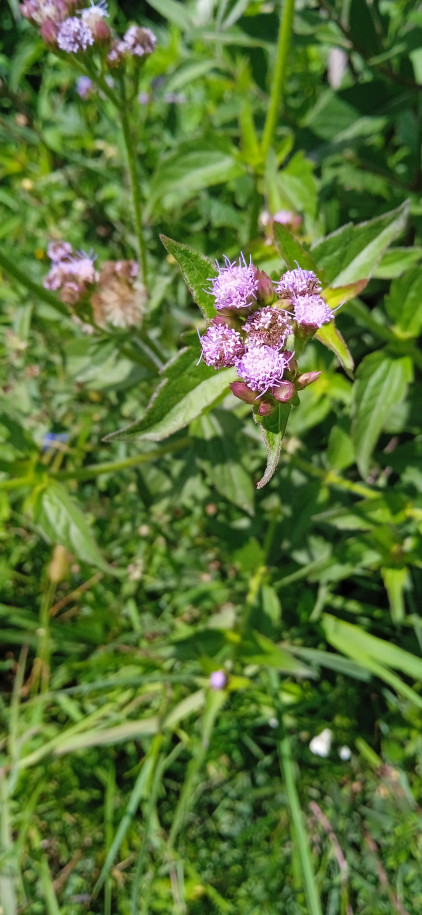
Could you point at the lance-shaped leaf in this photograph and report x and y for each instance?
(380, 384)
(61, 520)
(404, 304)
(197, 271)
(273, 428)
(185, 391)
(217, 451)
(292, 252)
(338, 295)
(353, 252)
(331, 337)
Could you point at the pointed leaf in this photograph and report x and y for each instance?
(337, 295)
(189, 168)
(186, 390)
(197, 271)
(292, 252)
(216, 449)
(353, 252)
(273, 428)
(61, 520)
(331, 338)
(404, 304)
(380, 384)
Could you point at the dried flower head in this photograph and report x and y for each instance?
(268, 327)
(74, 35)
(311, 311)
(120, 299)
(262, 367)
(235, 287)
(297, 282)
(221, 346)
(138, 41)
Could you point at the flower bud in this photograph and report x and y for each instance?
(243, 392)
(265, 408)
(307, 378)
(284, 392)
(265, 294)
(48, 32)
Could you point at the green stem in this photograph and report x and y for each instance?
(12, 270)
(284, 36)
(95, 470)
(134, 181)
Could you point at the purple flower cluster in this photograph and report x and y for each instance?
(66, 27)
(255, 319)
(71, 274)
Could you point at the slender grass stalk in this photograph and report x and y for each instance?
(50, 898)
(7, 868)
(276, 97)
(288, 773)
(134, 182)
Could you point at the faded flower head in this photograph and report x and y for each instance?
(136, 42)
(120, 299)
(59, 250)
(296, 283)
(311, 311)
(221, 346)
(268, 327)
(74, 35)
(235, 287)
(262, 367)
(40, 11)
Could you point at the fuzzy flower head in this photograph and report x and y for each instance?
(268, 327)
(296, 283)
(138, 41)
(74, 35)
(218, 679)
(84, 87)
(235, 287)
(311, 311)
(40, 11)
(221, 346)
(71, 274)
(93, 16)
(120, 298)
(262, 367)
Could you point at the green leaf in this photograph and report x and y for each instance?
(338, 295)
(216, 449)
(404, 304)
(197, 271)
(395, 261)
(380, 384)
(332, 339)
(62, 521)
(396, 581)
(259, 649)
(292, 252)
(353, 252)
(362, 644)
(173, 11)
(273, 428)
(186, 390)
(194, 165)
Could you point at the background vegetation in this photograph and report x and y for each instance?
(130, 571)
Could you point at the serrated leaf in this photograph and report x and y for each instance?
(62, 521)
(273, 428)
(292, 252)
(381, 383)
(197, 271)
(331, 338)
(216, 449)
(185, 391)
(353, 252)
(404, 304)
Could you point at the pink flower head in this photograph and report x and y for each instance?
(74, 35)
(268, 327)
(82, 267)
(85, 87)
(139, 42)
(311, 311)
(262, 367)
(297, 282)
(39, 11)
(236, 285)
(218, 679)
(221, 346)
(58, 250)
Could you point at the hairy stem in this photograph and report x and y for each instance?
(276, 97)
